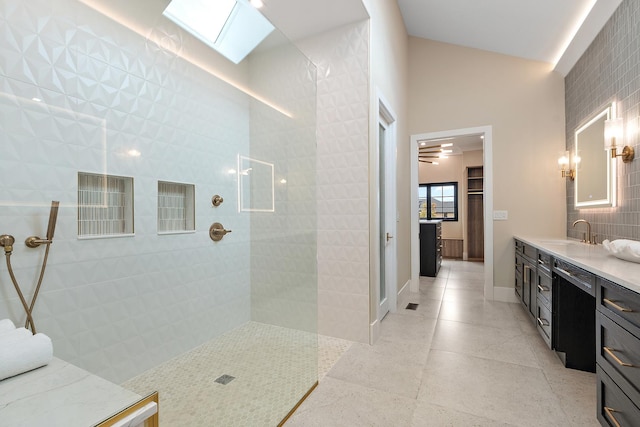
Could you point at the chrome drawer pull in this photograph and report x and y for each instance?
(542, 322)
(543, 288)
(610, 351)
(610, 412)
(617, 307)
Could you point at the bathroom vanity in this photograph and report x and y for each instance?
(61, 394)
(586, 306)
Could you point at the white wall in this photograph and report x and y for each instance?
(118, 306)
(389, 71)
(342, 60)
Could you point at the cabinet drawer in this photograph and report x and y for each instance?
(543, 287)
(618, 353)
(544, 321)
(530, 252)
(544, 262)
(619, 301)
(614, 407)
(577, 276)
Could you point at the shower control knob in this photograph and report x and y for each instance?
(217, 200)
(217, 231)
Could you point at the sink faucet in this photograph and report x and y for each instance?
(587, 236)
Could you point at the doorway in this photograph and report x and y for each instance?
(486, 209)
(386, 292)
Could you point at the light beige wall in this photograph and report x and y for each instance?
(389, 71)
(449, 170)
(452, 169)
(454, 87)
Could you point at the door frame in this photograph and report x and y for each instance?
(487, 160)
(387, 117)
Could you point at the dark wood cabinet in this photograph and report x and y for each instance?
(592, 323)
(430, 247)
(618, 354)
(475, 214)
(526, 272)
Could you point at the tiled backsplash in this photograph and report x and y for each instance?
(609, 72)
(78, 90)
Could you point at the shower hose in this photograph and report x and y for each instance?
(29, 323)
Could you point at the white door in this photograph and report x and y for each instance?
(387, 213)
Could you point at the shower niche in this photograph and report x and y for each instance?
(105, 205)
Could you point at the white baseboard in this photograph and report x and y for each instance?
(504, 294)
(414, 284)
(374, 332)
(404, 295)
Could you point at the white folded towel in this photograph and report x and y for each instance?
(628, 250)
(24, 355)
(6, 325)
(14, 336)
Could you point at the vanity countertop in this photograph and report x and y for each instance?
(60, 394)
(593, 258)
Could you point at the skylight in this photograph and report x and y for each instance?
(232, 27)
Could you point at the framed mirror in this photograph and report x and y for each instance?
(595, 181)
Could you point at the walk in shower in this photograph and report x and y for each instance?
(147, 137)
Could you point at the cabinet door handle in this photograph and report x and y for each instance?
(542, 322)
(610, 351)
(543, 288)
(610, 412)
(617, 307)
(526, 274)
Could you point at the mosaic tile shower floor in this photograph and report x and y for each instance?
(273, 367)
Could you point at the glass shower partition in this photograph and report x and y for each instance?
(134, 125)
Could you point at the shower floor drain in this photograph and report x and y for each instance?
(225, 379)
(412, 306)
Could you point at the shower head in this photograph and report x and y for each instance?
(35, 241)
(53, 216)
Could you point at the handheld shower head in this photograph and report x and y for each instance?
(7, 241)
(53, 216)
(35, 241)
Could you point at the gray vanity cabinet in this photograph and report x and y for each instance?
(618, 354)
(543, 290)
(526, 276)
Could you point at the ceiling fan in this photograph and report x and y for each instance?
(428, 152)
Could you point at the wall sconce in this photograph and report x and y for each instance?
(564, 164)
(613, 138)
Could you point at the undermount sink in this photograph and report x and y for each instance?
(560, 242)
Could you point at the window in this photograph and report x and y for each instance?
(438, 201)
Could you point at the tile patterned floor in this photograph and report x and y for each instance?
(456, 361)
(273, 367)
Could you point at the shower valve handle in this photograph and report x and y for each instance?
(217, 231)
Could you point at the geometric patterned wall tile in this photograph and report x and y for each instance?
(342, 58)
